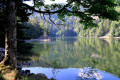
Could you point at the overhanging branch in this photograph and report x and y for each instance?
(47, 12)
(53, 21)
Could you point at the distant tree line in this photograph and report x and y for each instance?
(72, 27)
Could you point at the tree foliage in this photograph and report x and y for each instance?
(84, 9)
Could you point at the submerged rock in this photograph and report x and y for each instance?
(96, 56)
(27, 72)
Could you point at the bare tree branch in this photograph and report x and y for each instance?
(53, 21)
(45, 19)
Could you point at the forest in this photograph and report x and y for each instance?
(72, 27)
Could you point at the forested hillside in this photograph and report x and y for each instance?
(105, 28)
(36, 28)
(72, 27)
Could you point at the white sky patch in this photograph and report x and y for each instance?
(46, 2)
(29, 3)
(56, 1)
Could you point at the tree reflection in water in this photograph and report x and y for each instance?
(89, 73)
(79, 52)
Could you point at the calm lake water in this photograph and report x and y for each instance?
(77, 59)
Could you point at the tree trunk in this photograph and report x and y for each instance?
(10, 35)
(11, 43)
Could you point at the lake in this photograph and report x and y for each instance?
(77, 59)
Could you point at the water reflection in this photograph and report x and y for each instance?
(89, 73)
(74, 73)
(79, 53)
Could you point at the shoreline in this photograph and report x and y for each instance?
(49, 39)
(101, 37)
(110, 37)
(39, 39)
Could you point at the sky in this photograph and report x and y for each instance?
(46, 2)
(56, 1)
